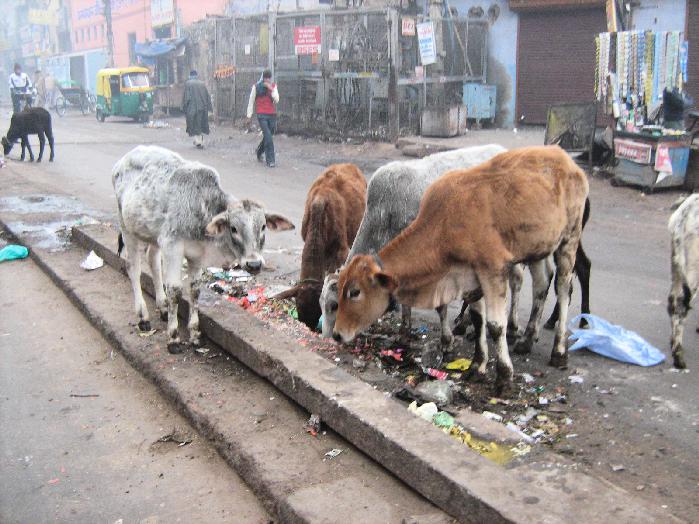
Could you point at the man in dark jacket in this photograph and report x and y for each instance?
(196, 105)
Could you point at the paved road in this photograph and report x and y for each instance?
(650, 422)
(71, 458)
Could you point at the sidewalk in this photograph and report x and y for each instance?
(419, 146)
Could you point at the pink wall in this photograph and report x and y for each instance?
(128, 16)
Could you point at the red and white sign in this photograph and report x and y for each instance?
(307, 40)
(635, 151)
(408, 26)
(662, 159)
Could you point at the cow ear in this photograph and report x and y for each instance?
(386, 281)
(278, 222)
(217, 225)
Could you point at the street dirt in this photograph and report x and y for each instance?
(85, 438)
(635, 427)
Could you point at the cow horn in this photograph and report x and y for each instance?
(289, 293)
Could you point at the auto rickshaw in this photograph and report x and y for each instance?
(124, 91)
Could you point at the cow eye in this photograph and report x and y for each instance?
(264, 226)
(354, 293)
(333, 307)
(234, 231)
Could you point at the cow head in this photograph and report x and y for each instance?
(6, 146)
(329, 301)
(364, 292)
(306, 294)
(240, 232)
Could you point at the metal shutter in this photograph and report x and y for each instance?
(555, 59)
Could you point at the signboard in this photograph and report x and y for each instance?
(307, 40)
(662, 159)
(426, 43)
(635, 151)
(333, 55)
(407, 26)
(161, 13)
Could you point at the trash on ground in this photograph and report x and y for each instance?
(313, 425)
(202, 351)
(617, 467)
(177, 436)
(492, 416)
(443, 420)
(613, 342)
(437, 373)
(460, 364)
(156, 124)
(86, 395)
(439, 392)
(426, 411)
(528, 379)
(396, 354)
(146, 334)
(13, 252)
(93, 261)
(432, 355)
(333, 453)
(576, 379)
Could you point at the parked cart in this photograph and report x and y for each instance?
(75, 97)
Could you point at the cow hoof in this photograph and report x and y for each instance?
(678, 361)
(474, 375)
(175, 348)
(559, 361)
(523, 346)
(144, 325)
(163, 315)
(512, 335)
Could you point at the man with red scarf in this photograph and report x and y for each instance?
(263, 97)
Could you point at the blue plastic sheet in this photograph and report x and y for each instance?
(613, 341)
(12, 252)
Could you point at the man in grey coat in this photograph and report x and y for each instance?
(196, 104)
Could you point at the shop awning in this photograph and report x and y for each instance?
(158, 48)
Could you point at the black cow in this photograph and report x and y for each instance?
(31, 121)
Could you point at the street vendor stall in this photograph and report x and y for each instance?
(637, 72)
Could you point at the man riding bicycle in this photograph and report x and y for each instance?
(20, 88)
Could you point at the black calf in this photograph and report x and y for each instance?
(31, 121)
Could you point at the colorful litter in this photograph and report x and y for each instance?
(13, 252)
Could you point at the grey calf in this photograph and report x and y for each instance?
(178, 208)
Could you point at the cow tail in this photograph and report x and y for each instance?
(120, 244)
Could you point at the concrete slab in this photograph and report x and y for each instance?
(458, 480)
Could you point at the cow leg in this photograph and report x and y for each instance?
(541, 280)
(447, 338)
(25, 140)
(406, 324)
(23, 143)
(565, 259)
(462, 320)
(583, 266)
(476, 371)
(172, 255)
(516, 278)
(42, 142)
(156, 268)
(49, 135)
(678, 306)
(494, 288)
(133, 253)
(195, 280)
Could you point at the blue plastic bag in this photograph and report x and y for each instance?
(12, 252)
(613, 342)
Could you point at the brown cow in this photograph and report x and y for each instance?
(473, 226)
(334, 208)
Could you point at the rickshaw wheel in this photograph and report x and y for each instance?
(61, 106)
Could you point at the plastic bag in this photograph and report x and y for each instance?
(93, 261)
(613, 342)
(13, 252)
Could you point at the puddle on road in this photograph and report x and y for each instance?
(52, 217)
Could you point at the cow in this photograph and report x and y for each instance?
(178, 209)
(31, 121)
(393, 201)
(521, 206)
(684, 232)
(334, 208)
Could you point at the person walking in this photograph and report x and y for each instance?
(51, 88)
(40, 85)
(263, 97)
(196, 104)
(19, 85)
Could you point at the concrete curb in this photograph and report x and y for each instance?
(453, 477)
(290, 495)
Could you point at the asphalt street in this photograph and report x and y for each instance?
(645, 420)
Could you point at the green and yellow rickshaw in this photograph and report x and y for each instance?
(124, 91)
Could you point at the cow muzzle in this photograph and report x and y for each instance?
(253, 266)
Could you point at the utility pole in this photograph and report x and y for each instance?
(110, 35)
